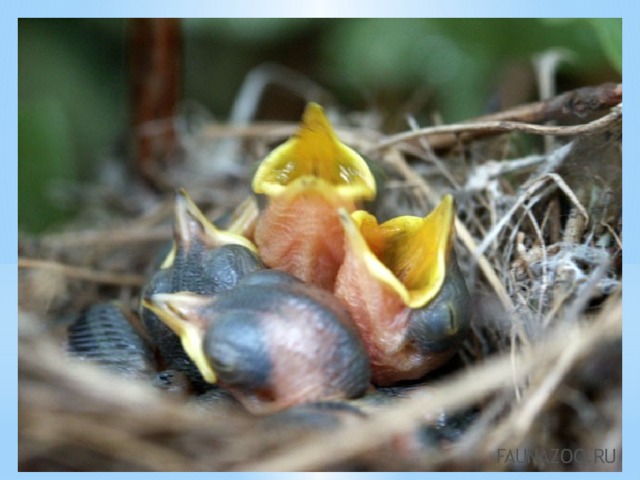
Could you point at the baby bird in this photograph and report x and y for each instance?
(272, 341)
(306, 180)
(401, 283)
(204, 260)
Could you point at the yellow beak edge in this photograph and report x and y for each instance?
(188, 215)
(407, 253)
(179, 312)
(315, 151)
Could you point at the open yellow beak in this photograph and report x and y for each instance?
(409, 254)
(307, 179)
(316, 152)
(180, 312)
(190, 225)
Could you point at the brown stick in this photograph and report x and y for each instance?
(83, 273)
(155, 79)
(446, 136)
(573, 104)
(118, 236)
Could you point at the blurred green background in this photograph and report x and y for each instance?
(74, 81)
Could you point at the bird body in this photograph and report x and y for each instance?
(392, 282)
(111, 335)
(272, 341)
(326, 301)
(306, 180)
(203, 259)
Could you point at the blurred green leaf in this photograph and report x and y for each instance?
(460, 61)
(71, 107)
(403, 54)
(577, 34)
(610, 33)
(82, 66)
(46, 157)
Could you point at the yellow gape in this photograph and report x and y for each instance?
(306, 181)
(401, 284)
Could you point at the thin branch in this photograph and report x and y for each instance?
(518, 423)
(82, 273)
(614, 234)
(573, 104)
(274, 131)
(91, 238)
(484, 265)
(430, 156)
(545, 264)
(499, 126)
(528, 191)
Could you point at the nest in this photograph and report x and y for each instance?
(536, 386)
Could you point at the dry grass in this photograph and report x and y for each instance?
(539, 238)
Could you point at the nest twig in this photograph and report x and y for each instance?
(541, 247)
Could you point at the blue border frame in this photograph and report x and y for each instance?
(626, 9)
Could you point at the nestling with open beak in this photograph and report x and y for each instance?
(401, 283)
(306, 180)
(203, 259)
(272, 341)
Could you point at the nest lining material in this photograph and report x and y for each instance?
(542, 369)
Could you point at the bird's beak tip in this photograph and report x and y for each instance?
(313, 112)
(190, 223)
